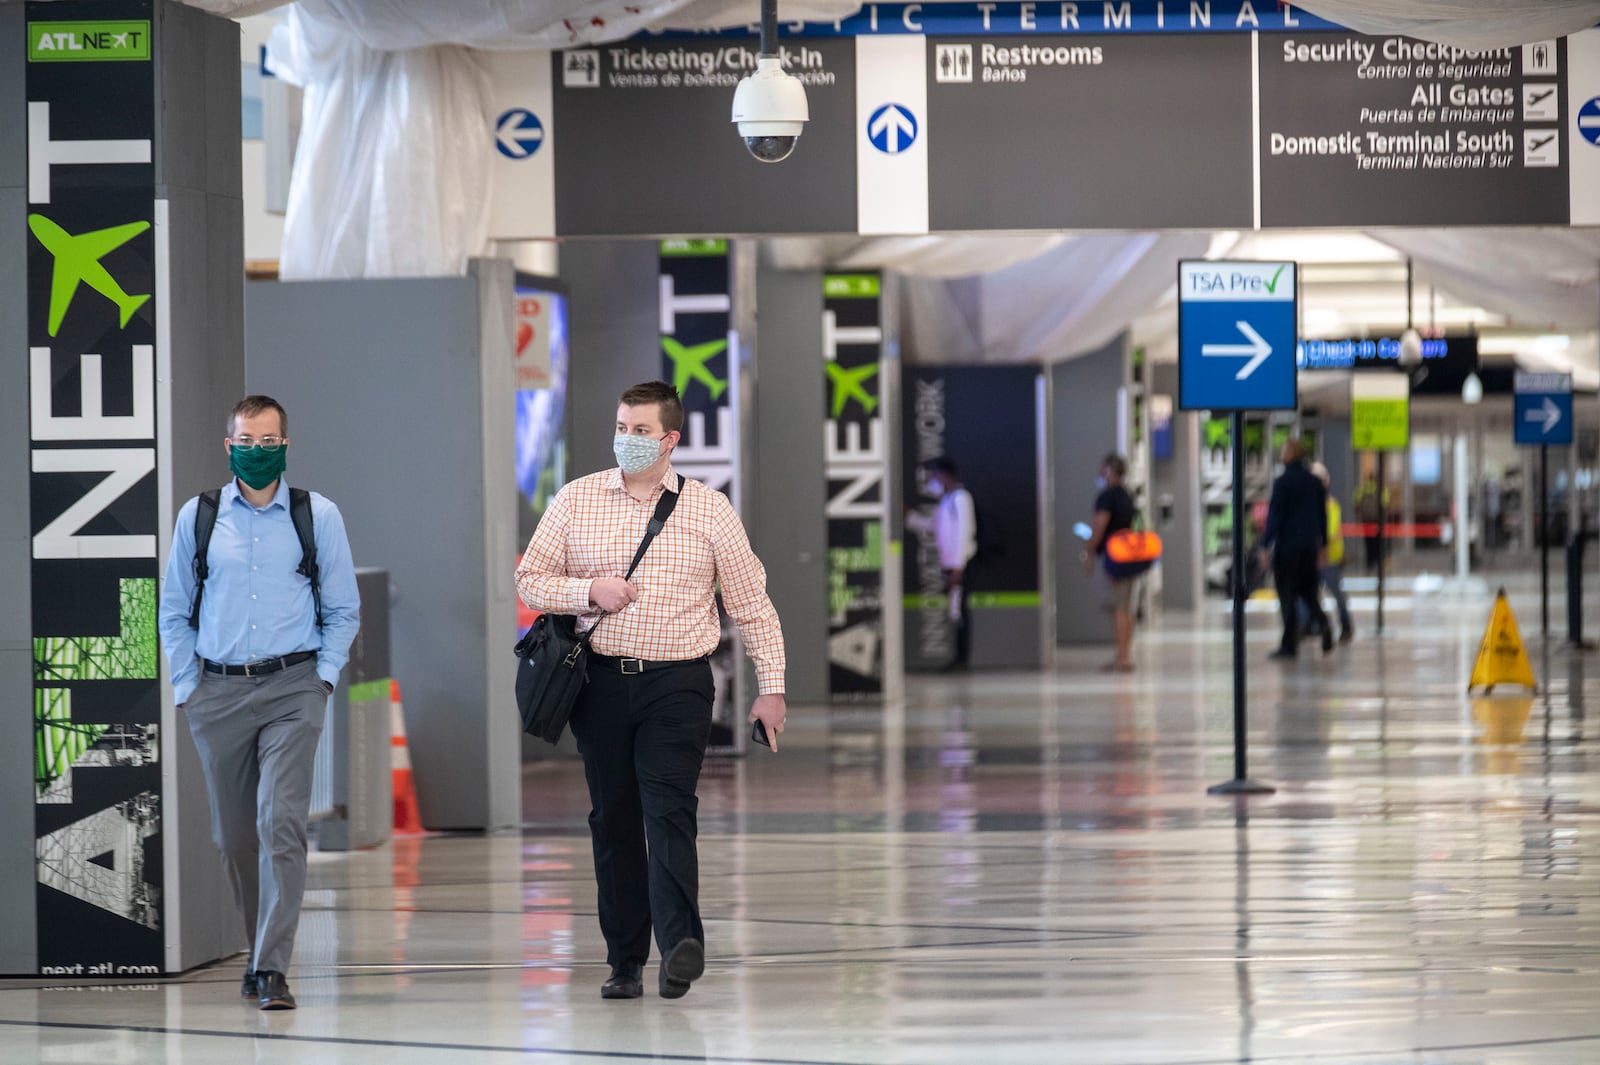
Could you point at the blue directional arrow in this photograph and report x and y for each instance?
(518, 133)
(1589, 121)
(892, 129)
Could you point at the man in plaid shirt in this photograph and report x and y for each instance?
(643, 719)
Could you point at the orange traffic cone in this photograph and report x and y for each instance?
(407, 820)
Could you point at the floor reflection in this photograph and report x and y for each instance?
(1002, 868)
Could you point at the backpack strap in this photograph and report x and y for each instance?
(300, 514)
(205, 520)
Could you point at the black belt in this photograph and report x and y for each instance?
(631, 666)
(260, 668)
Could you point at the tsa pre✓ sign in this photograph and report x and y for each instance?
(1236, 336)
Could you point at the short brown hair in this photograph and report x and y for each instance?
(250, 406)
(664, 396)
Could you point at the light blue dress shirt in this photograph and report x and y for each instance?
(255, 605)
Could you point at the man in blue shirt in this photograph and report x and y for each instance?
(254, 677)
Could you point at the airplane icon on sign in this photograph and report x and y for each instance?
(689, 364)
(847, 385)
(78, 260)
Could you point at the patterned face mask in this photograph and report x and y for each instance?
(635, 454)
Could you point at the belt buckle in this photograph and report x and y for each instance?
(247, 666)
(637, 663)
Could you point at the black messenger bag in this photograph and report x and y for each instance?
(553, 660)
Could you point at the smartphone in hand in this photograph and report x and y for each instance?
(758, 733)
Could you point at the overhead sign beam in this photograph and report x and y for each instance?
(1007, 117)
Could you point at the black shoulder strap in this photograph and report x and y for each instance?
(663, 512)
(664, 507)
(205, 520)
(300, 514)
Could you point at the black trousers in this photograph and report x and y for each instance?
(643, 740)
(1295, 574)
(964, 623)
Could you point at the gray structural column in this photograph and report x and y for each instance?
(1177, 480)
(790, 493)
(400, 399)
(1085, 399)
(197, 306)
(615, 335)
(18, 953)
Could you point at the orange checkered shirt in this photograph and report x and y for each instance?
(591, 530)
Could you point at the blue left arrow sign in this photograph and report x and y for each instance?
(518, 133)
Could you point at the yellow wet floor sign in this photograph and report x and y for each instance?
(1501, 657)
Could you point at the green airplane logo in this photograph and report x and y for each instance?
(847, 385)
(78, 260)
(689, 364)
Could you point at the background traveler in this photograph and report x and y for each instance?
(1114, 511)
(1297, 535)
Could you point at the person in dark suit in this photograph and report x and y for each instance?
(1297, 536)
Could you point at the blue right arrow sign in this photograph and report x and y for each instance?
(1236, 336)
(1543, 408)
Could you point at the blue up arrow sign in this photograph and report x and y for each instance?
(892, 129)
(1236, 336)
(1543, 408)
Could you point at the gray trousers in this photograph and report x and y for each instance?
(257, 738)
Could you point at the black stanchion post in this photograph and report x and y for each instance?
(1241, 784)
(1383, 516)
(1544, 539)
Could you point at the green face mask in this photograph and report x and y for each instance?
(256, 466)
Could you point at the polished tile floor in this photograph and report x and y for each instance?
(1008, 868)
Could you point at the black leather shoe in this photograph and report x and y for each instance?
(1327, 641)
(274, 990)
(251, 987)
(627, 981)
(683, 965)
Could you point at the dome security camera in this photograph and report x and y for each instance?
(769, 107)
(1410, 349)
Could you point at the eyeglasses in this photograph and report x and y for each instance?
(268, 444)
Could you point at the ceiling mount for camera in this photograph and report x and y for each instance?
(769, 106)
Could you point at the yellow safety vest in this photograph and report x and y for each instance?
(1335, 533)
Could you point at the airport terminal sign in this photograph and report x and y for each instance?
(1393, 131)
(1380, 411)
(1543, 408)
(649, 148)
(1237, 323)
(1025, 117)
(93, 495)
(1051, 133)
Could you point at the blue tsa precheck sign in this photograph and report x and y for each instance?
(1543, 408)
(518, 133)
(1236, 336)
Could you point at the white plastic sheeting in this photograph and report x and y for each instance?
(391, 175)
(1537, 278)
(1071, 299)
